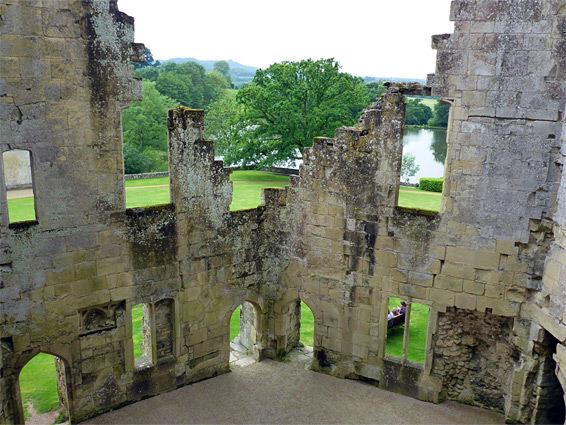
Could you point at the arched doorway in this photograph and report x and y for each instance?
(43, 389)
(244, 335)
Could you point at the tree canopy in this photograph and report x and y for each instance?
(417, 113)
(144, 126)
(290, 103)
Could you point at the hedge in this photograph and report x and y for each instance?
(431, 185)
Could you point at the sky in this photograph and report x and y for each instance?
(378, 38)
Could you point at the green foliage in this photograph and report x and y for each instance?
(440, 115)
(430, 184)
(289, 104)
(149, 73)
(226, 125)
(223, 68)
(417, 112)
(408, 166)
(190, 85)
(144, 126)
(38, 383)
(375, 90)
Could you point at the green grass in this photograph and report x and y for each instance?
(307, 325)
(38, 384)
(235, 324)
(21, 209)
(147, 182)
(411, 197)
(248, 195)
(137, 316)
(417, 333)
(252, 175)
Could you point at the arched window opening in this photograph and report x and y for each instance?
(142, 335)
(407, 328)
(244, 335)
(43, 390)
(424, 153)
(18, 178)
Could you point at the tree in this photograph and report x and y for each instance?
(189, 84)
(408, 167)
(417, 113)
(440, 115)
(375, 90)
(223, 68)
(225, 124)
(144, 127)
(290, 103)
(148, 59)
(150, 73)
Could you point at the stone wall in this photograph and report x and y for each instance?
(334, 238)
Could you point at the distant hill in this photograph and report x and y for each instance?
(240, 73)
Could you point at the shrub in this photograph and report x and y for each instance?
(431, 185)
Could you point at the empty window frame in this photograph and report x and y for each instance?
(407, 329)
(19, 185)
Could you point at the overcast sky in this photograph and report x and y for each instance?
(380, 38)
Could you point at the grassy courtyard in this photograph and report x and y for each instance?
(246, 194)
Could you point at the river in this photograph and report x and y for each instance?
(429, 148)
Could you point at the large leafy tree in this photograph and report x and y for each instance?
(226, 125)
(290, 103)
(144, 126)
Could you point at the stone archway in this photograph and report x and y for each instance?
(61, 382)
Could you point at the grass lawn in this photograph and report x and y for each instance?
(307, 325)
(21, 209)
(246, 194)
(412, 197)
(417, 333)
(38, 384)
(137, 315)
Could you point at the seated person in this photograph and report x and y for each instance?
(390, 315)
(396, 311)
(403, 307)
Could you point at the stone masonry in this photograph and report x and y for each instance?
(491, 266)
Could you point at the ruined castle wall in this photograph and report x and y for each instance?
(334, 238)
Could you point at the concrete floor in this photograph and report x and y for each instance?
(271, 392)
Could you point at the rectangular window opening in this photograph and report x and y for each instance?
(145, 149)
(407, 328)
(142, 335)
(424, 153)
(18, 178)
